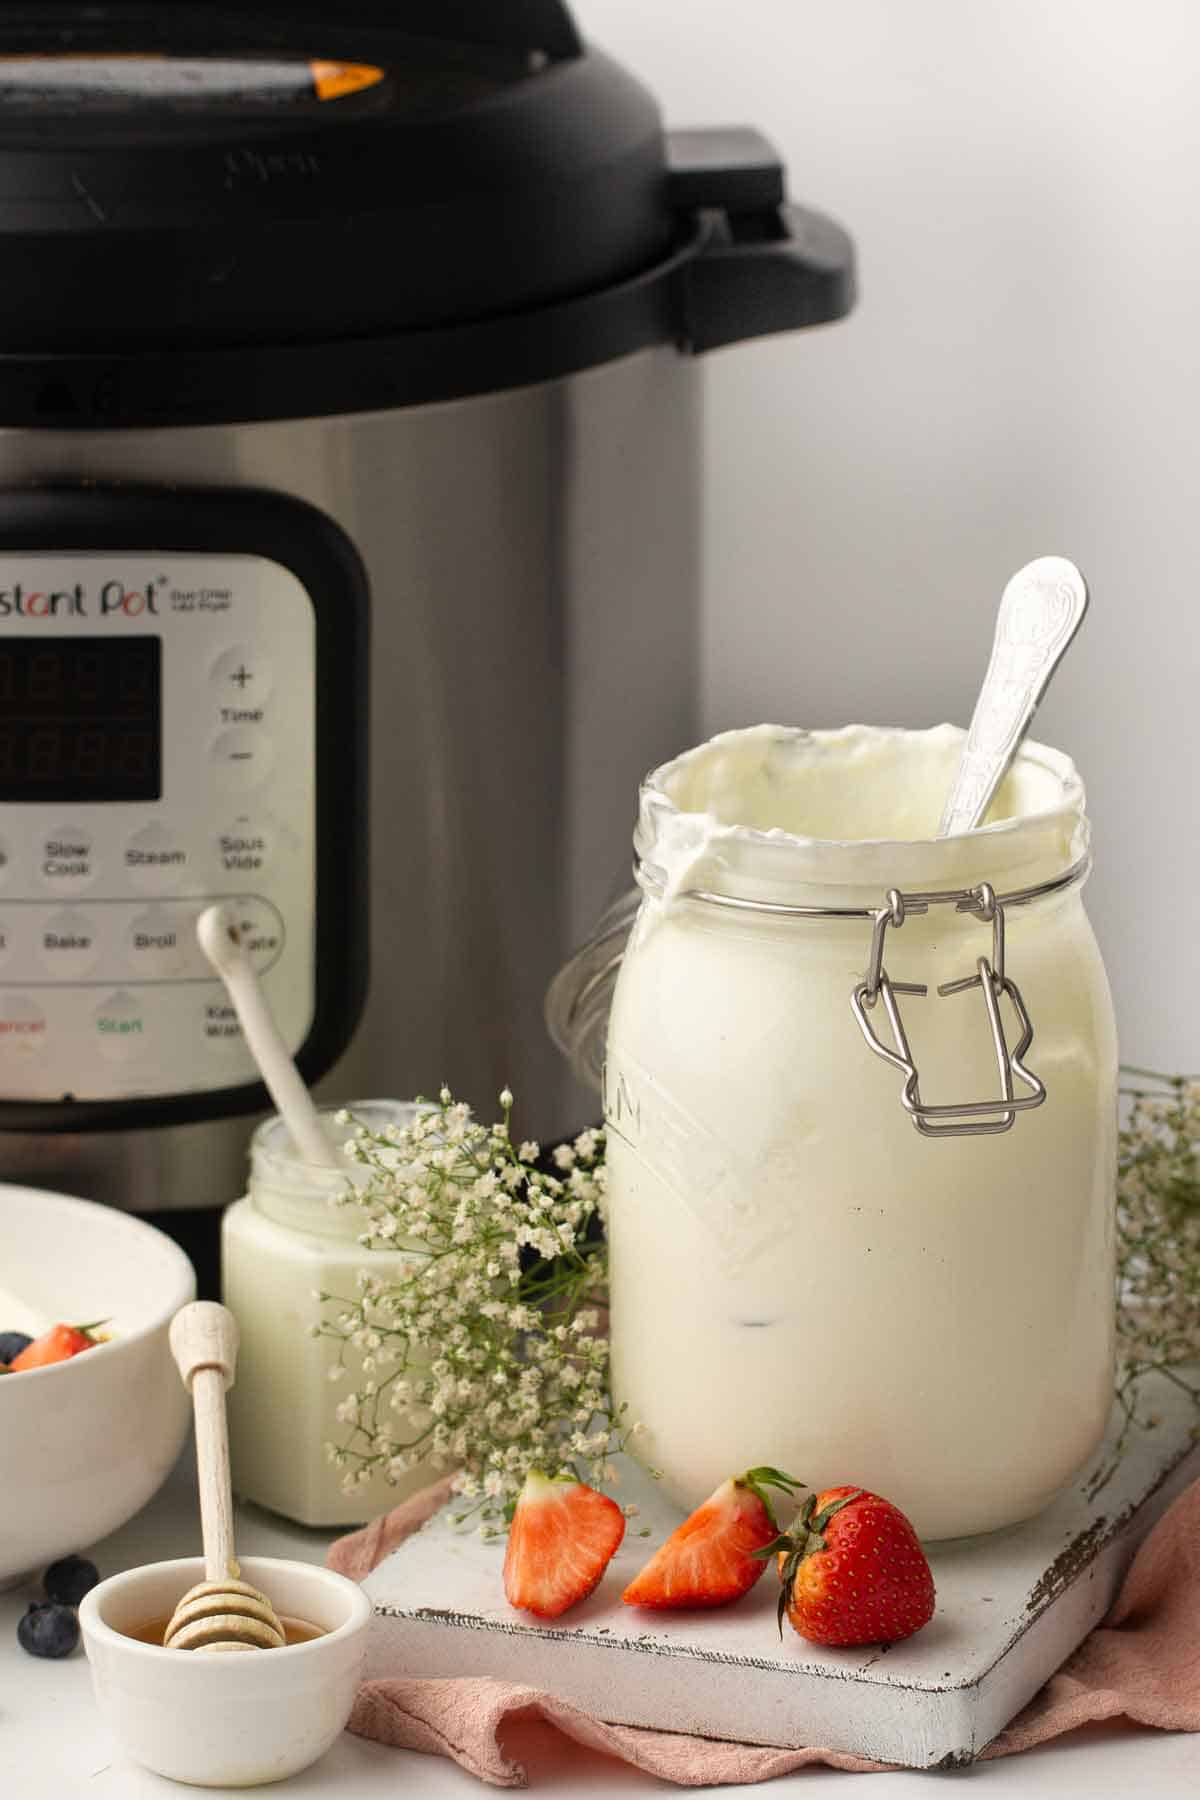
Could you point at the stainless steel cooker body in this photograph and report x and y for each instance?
(532, 560)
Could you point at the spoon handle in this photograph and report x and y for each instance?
(1041, 610)
(204, 1342)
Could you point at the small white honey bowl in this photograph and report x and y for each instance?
(226, 1720)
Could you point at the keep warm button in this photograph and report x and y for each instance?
(120, 1027)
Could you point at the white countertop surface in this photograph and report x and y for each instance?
(53, 1745)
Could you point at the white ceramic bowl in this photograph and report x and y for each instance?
(226, 1721)
(85, 1443)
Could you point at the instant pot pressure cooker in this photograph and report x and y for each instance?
(348, 542)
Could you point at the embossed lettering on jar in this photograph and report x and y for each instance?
(798, 1274)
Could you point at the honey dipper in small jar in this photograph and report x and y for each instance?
(222, 1612)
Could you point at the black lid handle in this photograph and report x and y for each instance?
(765, 265)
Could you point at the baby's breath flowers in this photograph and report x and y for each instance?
(1158, 1235)
(487, 1355)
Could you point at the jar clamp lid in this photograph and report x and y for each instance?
(579, 999)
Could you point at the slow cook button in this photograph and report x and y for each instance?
(22, 1027)
(120, 1027)
(242, 756)
(241, 678)
(245, 847)
(155, 858)
(260, 930)
(153, 943)
(66, 858)
(68, 944)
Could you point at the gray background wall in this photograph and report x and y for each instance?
(1022, 376)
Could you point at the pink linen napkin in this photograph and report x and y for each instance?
(1141, 1664)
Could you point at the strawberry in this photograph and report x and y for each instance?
(853, 1571)
(710, 1558)
(54, 1346)
(562, 1538)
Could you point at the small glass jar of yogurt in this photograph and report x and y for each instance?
(861, 1220)
(282, 1245)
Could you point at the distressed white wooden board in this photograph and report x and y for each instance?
(1011, 1607)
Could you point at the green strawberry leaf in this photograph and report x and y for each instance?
(759, 1480)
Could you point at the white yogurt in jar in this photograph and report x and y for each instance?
(798, 1276)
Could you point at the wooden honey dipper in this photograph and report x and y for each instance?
(222, 1612)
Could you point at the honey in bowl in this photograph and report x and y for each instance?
(295, 1631)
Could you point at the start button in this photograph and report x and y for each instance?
(120, 1027)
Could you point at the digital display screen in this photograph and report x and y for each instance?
(80, 719)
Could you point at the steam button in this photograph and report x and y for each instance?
(155, 858)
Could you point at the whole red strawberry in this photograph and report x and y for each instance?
(712, 1557)
(562, 1538)
(853, 1571)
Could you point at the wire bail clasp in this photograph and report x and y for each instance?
(969, 1118)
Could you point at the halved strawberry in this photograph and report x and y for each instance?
(54, 1346)
(853, 1571)
(562, 1538)
(710, 1559)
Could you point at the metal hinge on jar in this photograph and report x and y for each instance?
(968, 1118)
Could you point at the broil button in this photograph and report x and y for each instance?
(153, 942)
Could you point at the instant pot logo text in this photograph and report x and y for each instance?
(109, 599)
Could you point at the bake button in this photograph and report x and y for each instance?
(22, 1027)
(260, 929)
(155, 858)
(153, 943)
(219, 1024)
(241, 677)
(67, 859)
(68, 944)
(120, 1027)
(245, 847)
(242, 756)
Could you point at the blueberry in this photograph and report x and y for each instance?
(69, 1579)
(48, 1629)
(12, 1343)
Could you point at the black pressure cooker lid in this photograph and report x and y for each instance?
(272, 208)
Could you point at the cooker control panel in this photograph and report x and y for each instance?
(157, 753)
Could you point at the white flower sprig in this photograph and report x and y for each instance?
(486, 1356)
(1158, 1245)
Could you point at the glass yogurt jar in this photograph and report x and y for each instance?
(281, 1245)
(860, 1091)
